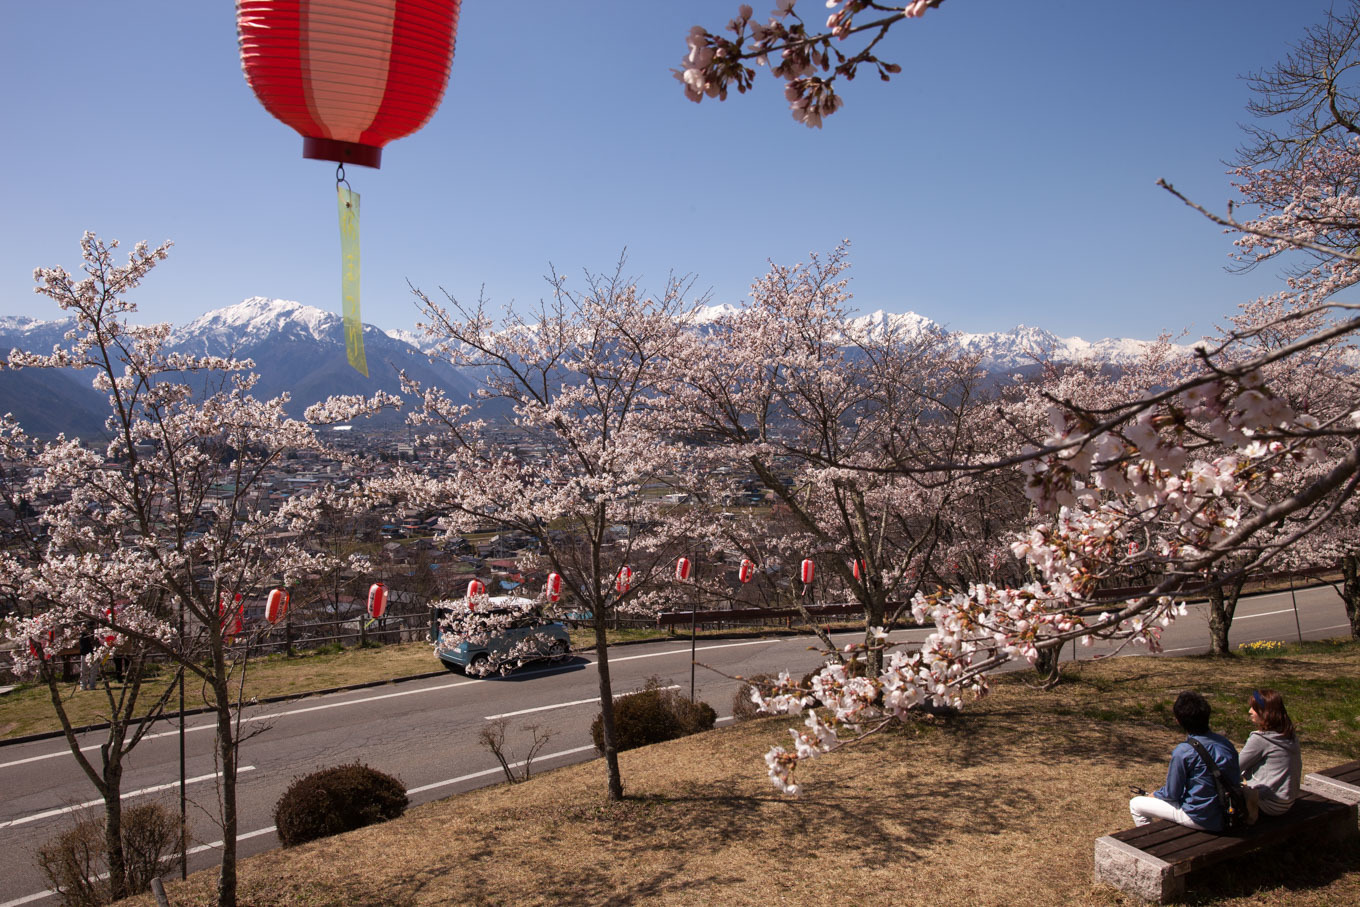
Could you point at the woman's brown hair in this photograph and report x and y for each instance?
(1269, 704)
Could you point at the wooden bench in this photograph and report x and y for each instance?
(1152, 860)
(1340, 783)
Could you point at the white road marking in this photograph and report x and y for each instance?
(490, 771)
(133, 793)
(336, 705)
(1238, 617)
(266, 717)
(28, 899)
(216, 844)
(563, 705)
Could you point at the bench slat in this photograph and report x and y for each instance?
(1177, 844)
(1155, 835)
(1348, 773)
(1153, 860)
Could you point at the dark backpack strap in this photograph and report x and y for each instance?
(1208, 760)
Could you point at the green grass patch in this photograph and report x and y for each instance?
(1324, 703)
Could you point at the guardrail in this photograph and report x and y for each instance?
(670, 619)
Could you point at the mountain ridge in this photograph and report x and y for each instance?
(300, 350)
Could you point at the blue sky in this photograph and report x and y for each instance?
(1007, 175)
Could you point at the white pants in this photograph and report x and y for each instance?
(1145, 809)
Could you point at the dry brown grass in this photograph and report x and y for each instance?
(998, 806)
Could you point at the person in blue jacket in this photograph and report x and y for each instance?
(1190, 796)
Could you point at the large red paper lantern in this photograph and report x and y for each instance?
(808, 571)
(276, 606)
(475, 589)
(348, 75)
(683, 568)
(554, 587)
(377, 600)
(746, 570)
(624, 581)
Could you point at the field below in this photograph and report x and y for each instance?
(998, 805)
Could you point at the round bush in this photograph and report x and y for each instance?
(653, 715)
(693, 717)
(337, 799)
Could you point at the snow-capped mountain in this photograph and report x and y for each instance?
(413, 338)
(300, 350)
(254, 320)
(1021, 346)
(297, 349)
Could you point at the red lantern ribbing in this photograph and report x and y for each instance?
(348, 75)
(276, 605)
(377, 600)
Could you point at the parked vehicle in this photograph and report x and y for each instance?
(547, 639)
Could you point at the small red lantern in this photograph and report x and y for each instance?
(682, 569)
(476, 589)
(554, 588)
(41, 651)
(110, 614)
(232, 615)
(858, 569)
(808, 570)
(746, 570)
(348, 75)
(377, 600)
(276, 605)
(624, 581)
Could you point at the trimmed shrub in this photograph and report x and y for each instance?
(72, 863)
(653, 715)
(75, 864)
(337, 799)
(151, 843)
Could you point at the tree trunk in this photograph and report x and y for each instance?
(113, 826)
(873, 617)
(1222, 604)
(1350, 571)
(607, 734)
(226, 750)
(1046, 665)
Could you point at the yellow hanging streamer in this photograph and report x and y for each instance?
(349, 278)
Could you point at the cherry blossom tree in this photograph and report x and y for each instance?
(791, 390)
(1191, 474)
(1311, 96)
(801, 52)
(579, 379)
(153, 534)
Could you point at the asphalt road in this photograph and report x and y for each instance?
(425, 732)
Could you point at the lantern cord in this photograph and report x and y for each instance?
(341, 181)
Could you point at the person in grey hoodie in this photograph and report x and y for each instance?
(1272, 767)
